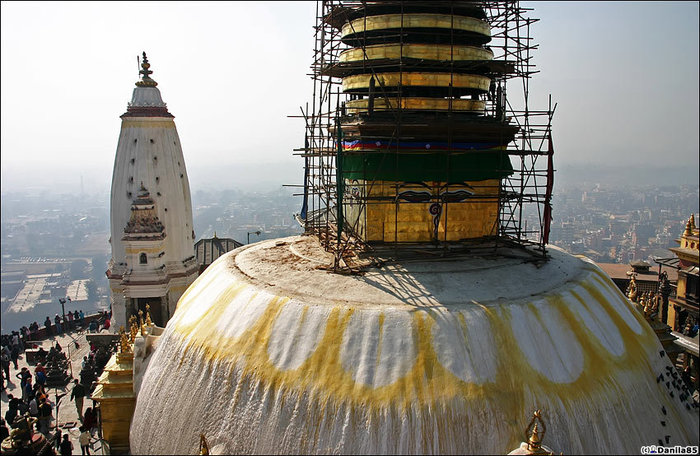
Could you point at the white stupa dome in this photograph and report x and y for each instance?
(269, 353)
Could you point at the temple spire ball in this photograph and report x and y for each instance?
(146, 80)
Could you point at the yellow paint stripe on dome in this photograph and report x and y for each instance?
(428, 385)
(427, 380)
(597, 321)
(613, 296)
(417, 103)
(416, 20)
(382, 317)
(462, 81)
(466, 350)
(439, 52)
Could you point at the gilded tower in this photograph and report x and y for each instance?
(415, 136)
(152, 235)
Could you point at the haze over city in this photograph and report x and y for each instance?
(624, 76)
(416, 280)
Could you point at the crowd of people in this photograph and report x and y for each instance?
(73, 320)
(34, 409)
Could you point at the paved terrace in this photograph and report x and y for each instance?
(65, 413)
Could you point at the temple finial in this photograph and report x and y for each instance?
(146, 80)
(688, 229)
(534, 436)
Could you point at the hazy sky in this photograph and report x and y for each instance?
(625, 76)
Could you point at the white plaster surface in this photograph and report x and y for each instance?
(468, 350)
(243, 311)
(612, 295)
(296, 334)
(596, 321)
(543, 336)
(147, 96)
(420, 357)
(371, 344)
(422, 284)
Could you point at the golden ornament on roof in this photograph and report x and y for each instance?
(203, 445)
(149, 323)
(146, 80)
(141, 324)
(534, 436)
(632, 290)
(133, 328)
(688, 228)
(124, 343)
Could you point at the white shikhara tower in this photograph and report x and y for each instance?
(152, 235)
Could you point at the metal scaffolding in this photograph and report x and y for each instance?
(353, 132)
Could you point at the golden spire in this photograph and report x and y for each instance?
(149, 323)
(534, 442)
(141, 326)
(692, 222)
(203, 445)
(146, 80)
(645, 302)
(688, 227)
(133, 328)
(124, 343)
(533, 435)
(656, 300)
(632, 290)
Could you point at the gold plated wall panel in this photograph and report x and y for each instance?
(416, 20)
(413, 222)
(466, 81)
(442, 52)
(415, 103)
(116, 419)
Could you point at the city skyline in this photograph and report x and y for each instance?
(626, 97)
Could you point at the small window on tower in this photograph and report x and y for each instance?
(135, 140)
(152, 141)
(157, 179)
(143, 259)
(158, 193)
(133, 160)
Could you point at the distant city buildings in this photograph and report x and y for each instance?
(620, 225)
